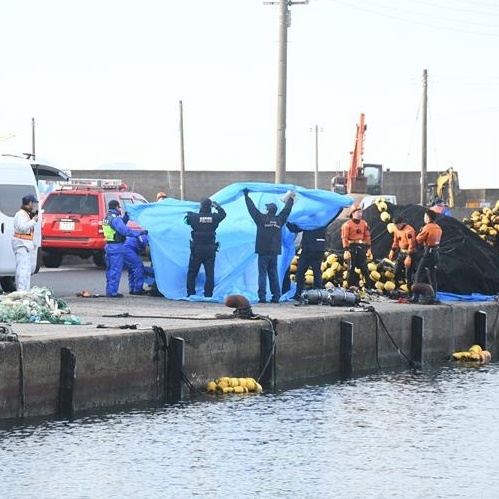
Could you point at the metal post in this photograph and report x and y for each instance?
(280, 172)
(267, 358)
(176, 359)
(481, 329)
(67, 383)
(346, 347)
(316, 172)
(424, 139)
(417, 330)
(182, 156)
(33, 150)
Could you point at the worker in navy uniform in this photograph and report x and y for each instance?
(203, 244)
(268, 244)
(313, 245)
(115, 233)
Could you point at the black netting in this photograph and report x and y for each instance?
(467, 263)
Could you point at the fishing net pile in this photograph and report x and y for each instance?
(468, 264)
(37, 305)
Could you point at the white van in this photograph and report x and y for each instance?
(19, 177)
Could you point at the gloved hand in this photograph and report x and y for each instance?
(245, 191)
(369, 254)
(145, 232)
(215, 204)
(407, 261)
(347, 255)
(391, 255)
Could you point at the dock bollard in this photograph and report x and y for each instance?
(346, 347)
(175, 369)
(417, 330)
(67, 383)
(481, 329)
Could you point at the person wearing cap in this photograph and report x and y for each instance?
(429, 237)
(115, 234)
(23, 244)
(356, 240)
(203, 244)
(439, 206)
(160, 196)
(403, 248)
(268, 243)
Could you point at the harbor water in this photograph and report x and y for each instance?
(432, 433)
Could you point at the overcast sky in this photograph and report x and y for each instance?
(103, 80)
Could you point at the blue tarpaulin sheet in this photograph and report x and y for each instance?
(236, 270)
(472, 297)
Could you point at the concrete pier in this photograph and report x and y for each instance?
(114, 367)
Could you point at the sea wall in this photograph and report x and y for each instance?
(119, 367)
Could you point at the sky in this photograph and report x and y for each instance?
(104, 79)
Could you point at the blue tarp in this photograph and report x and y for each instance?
(473, 297)
(236, 269)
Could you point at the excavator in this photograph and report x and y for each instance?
(445, 188)
(361, 178)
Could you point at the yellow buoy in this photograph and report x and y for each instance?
(385, 216)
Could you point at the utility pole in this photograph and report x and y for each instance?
(316, 170)
(284, 23)
(424, 139)
(182, 157)
(33, 150)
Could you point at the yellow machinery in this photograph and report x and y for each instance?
(446, 187)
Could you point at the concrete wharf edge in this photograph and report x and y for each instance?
(116, 367)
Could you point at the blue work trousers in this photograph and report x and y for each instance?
(114, 267)
(267, 267)
(136, 272)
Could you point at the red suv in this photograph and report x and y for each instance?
(72, 218)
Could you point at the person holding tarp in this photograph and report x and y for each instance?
(268, 243)
(203, 244)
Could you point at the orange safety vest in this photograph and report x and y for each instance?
(27, 237)
(437, 209)
(355, 233)
(430, 235)
(404, 239)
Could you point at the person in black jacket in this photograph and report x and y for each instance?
(203, 244)
(313, 245)
(268, 244)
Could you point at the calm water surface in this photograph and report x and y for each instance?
(431, 434)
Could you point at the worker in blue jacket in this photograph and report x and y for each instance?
(134, 246)
(115, 233)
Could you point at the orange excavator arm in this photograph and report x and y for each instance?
(356, 170)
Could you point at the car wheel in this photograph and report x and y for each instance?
(52, 260)
(99, 259)
(8, 283)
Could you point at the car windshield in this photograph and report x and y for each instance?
(84, 204)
